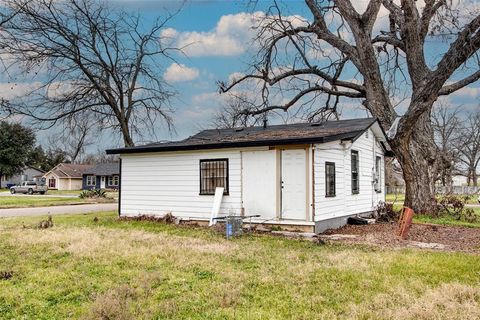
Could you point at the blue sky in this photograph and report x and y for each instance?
(220, 31)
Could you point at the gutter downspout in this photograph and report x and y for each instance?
(120, 188)
(313, 182)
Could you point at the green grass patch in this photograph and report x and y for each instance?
(400, 198)
(36, 201)
(447, 220)
(397, 198)
(443, 220)
(138, 269)
(64, 192)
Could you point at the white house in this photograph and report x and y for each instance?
(310, 176)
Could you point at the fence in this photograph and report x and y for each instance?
(441, 189)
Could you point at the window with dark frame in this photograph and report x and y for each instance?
(354, 169)
(378, 174)
(113, 181)
(213, 174)
(329, 179)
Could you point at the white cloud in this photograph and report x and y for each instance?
(472, 92)
(180, 72)
(235, 76)
(210, 97)
(11, 91)
(231, 36)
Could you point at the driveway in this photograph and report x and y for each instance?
(56, 210)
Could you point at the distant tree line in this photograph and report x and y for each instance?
(19, 149)
(457, 136)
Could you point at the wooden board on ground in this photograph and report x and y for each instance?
(405, 222)
(217, 201)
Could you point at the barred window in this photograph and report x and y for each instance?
(329, 179)
(90, 181)
(355, 167)
(213, 174)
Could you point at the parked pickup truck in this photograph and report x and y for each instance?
(29, 187)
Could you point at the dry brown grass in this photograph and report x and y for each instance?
(106, 242)
(447, 301)
(142, 270)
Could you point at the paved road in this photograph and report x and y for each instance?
(56, 210)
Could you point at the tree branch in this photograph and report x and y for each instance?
(448, 89)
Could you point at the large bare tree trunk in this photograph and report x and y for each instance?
(378, 58)
(417, 157)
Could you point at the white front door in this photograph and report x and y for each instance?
(259, 183)
(102, 182)
(294, 184)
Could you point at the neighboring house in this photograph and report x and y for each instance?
(310, 176)
(66, 176)
(29, 173)
(102, 176)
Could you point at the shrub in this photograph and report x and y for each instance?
(454, 206)
(384, 212)
(94, 193)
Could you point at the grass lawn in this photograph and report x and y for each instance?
(448, 220)
(400, 198)
(65, 192)
(42, 201)
(143, 270)
(110, 194)
(36, 201)
(445, 220)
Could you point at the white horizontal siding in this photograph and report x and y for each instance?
(345, 203)
(158, 183)
(327, 207)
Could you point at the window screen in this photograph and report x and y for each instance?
(213, 174)
(355, 167)
(330, 179)
(378, 174)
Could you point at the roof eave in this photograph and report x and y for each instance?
(223, 145)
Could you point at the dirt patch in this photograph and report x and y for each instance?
(384, 234)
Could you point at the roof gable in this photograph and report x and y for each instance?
(69, 170)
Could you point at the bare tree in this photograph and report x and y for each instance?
(469, 147)
(75, 138)
(232, 114)
(91, 58)
(447, 126)
(311, 60)
(100, 157)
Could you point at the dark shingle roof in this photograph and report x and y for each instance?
(104, 169)
(259, 136)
